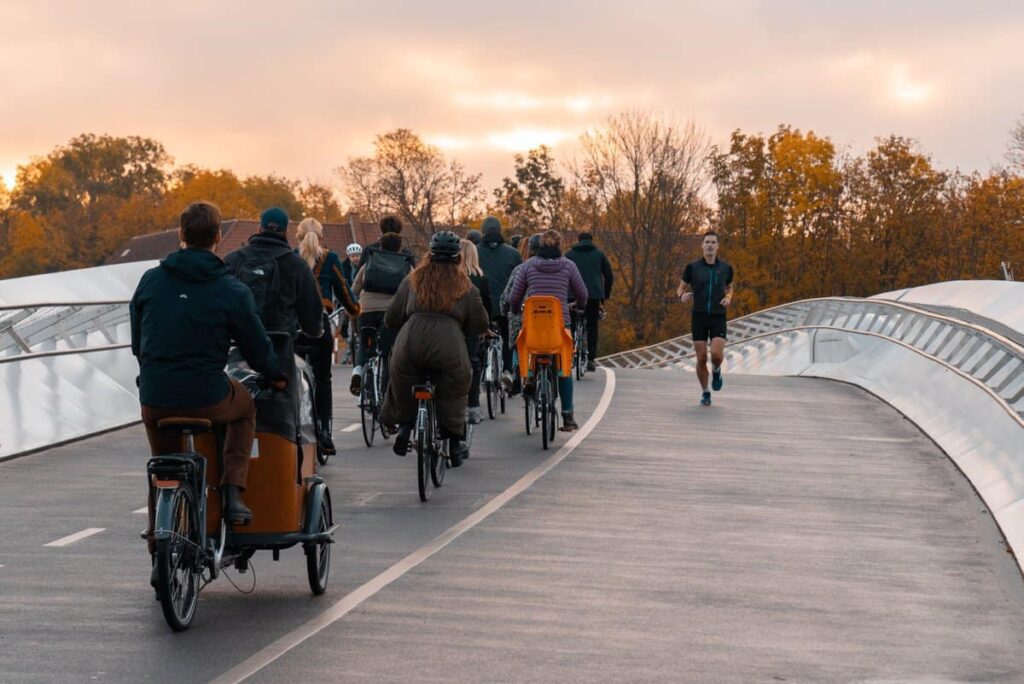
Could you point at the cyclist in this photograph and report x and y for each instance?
(497, 260)
(471, 267)
(392, 225)
(350, 266)
(378, 279)
(474, 236)
(184, 315)
(287, 295)
(433, 311)
(527, 249)
(326, 266)
(707, 282)
(597, 274)
(550, 273)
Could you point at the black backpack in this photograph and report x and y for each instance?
(259, 272)
(385, 271)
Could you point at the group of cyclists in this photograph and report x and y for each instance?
(428, 316)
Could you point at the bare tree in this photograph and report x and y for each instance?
(464, 194)
(361, 190)
(1015, 151)
(534, 198)
(644, 178)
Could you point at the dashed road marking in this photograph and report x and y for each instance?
(144, 509)
(352, 428)
(350, 602)
(77, 536)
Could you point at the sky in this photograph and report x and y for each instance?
(295, 88)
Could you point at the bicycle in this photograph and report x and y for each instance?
(492, 382)
(431, 448)
(579, 339)
(371, 393)
(186, 559)
(321, 422)
(546, 397)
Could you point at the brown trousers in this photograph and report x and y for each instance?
(237, 410)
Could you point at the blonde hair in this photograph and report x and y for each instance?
(470, 259)
(310, 233)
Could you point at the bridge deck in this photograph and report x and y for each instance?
(797, 529)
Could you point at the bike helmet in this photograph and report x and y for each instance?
(445, 246)
(353, 249)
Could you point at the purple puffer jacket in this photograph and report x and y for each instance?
(552, 275)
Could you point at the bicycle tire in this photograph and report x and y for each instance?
(527, 405)
(178, 574)
(424, 463)
(318, 554)
(379, 400)
(491, 393)
(501, 401)
(543, 392)
(438, 464)
(367, 409)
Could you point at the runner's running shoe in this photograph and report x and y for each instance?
(705, 399)
(716, 379)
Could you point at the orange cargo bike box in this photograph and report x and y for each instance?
(544, 338)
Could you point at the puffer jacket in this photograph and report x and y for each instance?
(497, 261)
(431, 342)
(549, 273)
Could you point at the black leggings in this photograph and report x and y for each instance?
(321, 349)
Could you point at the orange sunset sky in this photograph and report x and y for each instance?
(295, 88)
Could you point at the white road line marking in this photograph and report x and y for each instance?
(348, 603)
(352, 428)
(144, 509)
(77, 536)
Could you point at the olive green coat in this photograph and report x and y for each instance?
(433, 343)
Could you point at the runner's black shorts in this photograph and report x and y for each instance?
(707, 326)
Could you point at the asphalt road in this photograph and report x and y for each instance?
(797, 530)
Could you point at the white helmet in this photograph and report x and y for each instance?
(353, 249)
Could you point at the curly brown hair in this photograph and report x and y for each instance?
(439, 285)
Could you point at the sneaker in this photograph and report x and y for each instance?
(507, 382)
(716, 379)
(591, 367)
(473, 415)
(568, 422)
(457, 449)
(705, 399)
(357, 382)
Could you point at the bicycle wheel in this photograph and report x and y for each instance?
(528, 407)
(424, 459)
(501, 400)
(439, 466)
(378, 399)
(318, 554)
(544, 398)
(367, 406)
(177, 572)
(492, 398)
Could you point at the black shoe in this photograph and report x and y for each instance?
(356, 385)
(401, 445)
(235, 510)
(326, 443)
(457, 451)
(529, 386)
(591, 367)
(568, 423)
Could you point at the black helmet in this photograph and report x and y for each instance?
(445, 246)
(534, 243)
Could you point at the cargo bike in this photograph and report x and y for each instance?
(290, 502)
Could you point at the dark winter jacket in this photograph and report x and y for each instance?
(184, 315)
(549, 273)
(297, 305)
(594, 267)
(432, 343)
(497, 260)
(349, 270)
(333, 284)
(483, 286)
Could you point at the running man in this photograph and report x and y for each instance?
(708, 283)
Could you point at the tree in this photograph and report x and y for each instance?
(274, 191)
(319, 202)
(533, 200)
(76, 188)
(1015, 152)
(645, 178)
(464, 194)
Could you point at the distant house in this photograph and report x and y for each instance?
(235, 233)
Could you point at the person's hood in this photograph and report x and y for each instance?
(490, 226)
(549, 260)
(270, 238)
(196, 265)
(493, 240)
(585, 246)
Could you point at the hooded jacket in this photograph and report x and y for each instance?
(184, 314)
(549, 273)
(297, 304)
(594, 267)
(496, 258)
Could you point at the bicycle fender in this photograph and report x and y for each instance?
(163, 523)
(319, 494)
